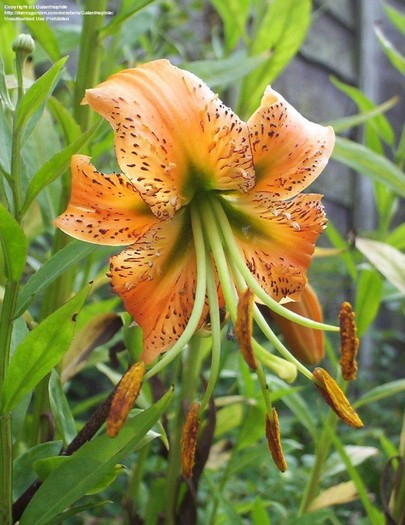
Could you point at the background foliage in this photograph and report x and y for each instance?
(56, 368)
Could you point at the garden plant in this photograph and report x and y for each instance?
(171, 348)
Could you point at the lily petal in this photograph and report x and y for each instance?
(289, 151)
(156, 279)
(103, 209)
(173, 136)
(277, 238)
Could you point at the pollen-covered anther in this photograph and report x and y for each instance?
(124, 398)
(189, 440)
(274, 441)
(244, 327)
(349, 342)
(336, 399)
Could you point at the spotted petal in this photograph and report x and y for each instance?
(289, 151)
(277, 238)
(173, 136)
(103, 209)
(156, 279)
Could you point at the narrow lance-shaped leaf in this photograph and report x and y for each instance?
(37, 94)
(40, 351)
(14, 245)
(368, 298)
(388, 260)
(68, 256)
(128, 9)
(224, 72)
(395, 57)
(397, 18)
(89, 465)
(365, 161)
(51, 170)
(64, 420)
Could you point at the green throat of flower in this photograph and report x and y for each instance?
(217, 253)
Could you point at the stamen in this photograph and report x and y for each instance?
(244, 327)
(349, 343)
(274, 441)
(250, 279)
(215, 320)
(335, 398)
(199, 301)
(124, 398)
(189, 440)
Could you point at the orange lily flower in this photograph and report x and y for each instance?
(204, 202)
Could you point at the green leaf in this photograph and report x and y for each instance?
(281, 33)
(44, 35)
(14, 245)
(222, 73)
(23, 470)
(35, 98)
(88, 465)
(345, 123)
(394, 56)
(4, 94)
(40, 351)
(128, 9)
(5, 144)
(368, 163)
(61, 113)
(259, 513)
(379, 123)
(393, 388)
(368, 298)
(312, 518)
(234, 15)
(387, 259)
(72, 511)
(64, 420)
(397, 18)
(397, 237)
(56, 165)
(71, 254)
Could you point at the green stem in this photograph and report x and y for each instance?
(7, 317)
(188, 386)
(6, 455)
(321, 454)
(89, 60)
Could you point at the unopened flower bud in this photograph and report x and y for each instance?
(23, 44)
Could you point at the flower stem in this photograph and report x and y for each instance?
(89, 60)
(190, 373)
(7, 317)
(6, 455)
